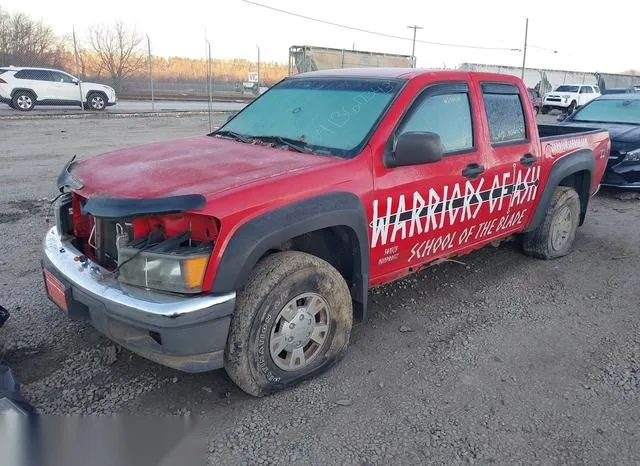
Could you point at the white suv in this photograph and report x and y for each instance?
(23, 88)
(568, 97)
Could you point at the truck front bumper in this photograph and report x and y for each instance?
(185, 333)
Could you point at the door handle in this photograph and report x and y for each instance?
(528, 159)
(472, 171)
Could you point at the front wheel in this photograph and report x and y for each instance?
(292, 320)
(96, 101)
(555, 236)
(544, 110)
(572, 107)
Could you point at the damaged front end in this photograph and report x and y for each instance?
(137, 269)
(149, 243)
(623, 168)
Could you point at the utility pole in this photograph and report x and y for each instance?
(524, 55)
(209, 97)
(153, 103)
(413, 48)
(258, 83)
(75, 51)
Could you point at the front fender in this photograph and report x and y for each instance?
(269, 231)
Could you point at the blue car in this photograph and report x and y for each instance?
(620, 115)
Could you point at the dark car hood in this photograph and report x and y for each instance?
(621, 133)
(201, 165)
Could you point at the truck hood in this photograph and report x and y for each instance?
(201, 165)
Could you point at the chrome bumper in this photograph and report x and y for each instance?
(186, 333)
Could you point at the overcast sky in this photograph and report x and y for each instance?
(586, 37)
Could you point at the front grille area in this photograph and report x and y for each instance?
(554, 99)
(105, 240)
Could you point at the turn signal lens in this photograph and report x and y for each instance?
(193, 271)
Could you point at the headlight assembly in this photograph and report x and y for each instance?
(632, 156)
(179, 270)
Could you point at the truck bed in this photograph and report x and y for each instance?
(558, 131)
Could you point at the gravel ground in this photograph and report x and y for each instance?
(505, 359)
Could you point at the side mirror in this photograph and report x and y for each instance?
(414, 148)
(75, 81)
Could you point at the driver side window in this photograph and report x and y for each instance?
(61, 77)
(448, 115)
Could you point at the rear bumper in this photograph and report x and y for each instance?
(185, 333)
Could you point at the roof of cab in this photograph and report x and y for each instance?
(397, 73)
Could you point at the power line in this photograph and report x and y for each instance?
(376, 33)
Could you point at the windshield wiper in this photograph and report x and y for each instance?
(233, 135)
(294, 144)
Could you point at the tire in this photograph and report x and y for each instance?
(23, 101)
(544, 110)
(281, 290)
(96, 101)
(572, 107)
(555, 236)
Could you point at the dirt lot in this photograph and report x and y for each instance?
(507, 359)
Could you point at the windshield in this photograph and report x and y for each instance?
(567, 89)
(331, 115)
(611, 111)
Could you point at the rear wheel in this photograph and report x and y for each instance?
(23, 101)
(555, 236)
(292, 320)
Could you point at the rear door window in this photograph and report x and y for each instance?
(35, 75)
(505, 113)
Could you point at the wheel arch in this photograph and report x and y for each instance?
(574, 170)
(92, 91)
(24, 89)
(331, 226)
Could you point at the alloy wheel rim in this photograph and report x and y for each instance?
(97, 102)
(299, 332)
(24, 101)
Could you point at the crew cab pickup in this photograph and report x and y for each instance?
(253, 248)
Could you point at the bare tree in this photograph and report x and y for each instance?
(118, 51)
(24, 41)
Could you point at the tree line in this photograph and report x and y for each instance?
(112, 53)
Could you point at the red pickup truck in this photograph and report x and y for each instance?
(253, 248)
